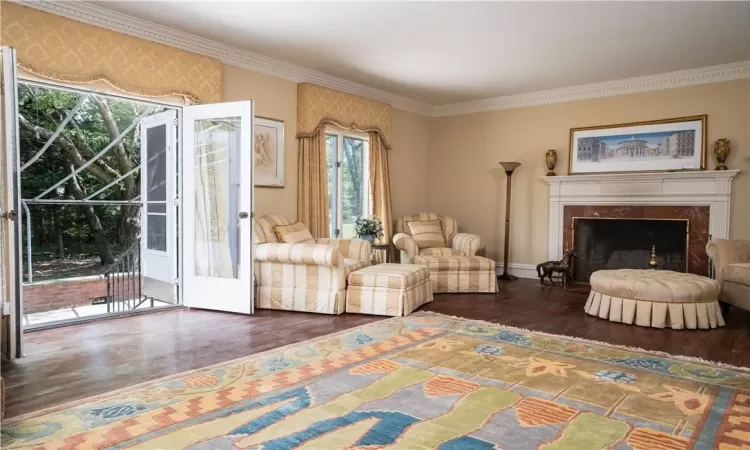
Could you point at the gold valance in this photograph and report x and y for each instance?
(61, 49)
(318, 106)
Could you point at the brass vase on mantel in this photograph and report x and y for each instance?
(551, 158)
(721, 152)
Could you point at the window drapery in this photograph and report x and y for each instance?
(312, 185)
(318, 107)
(64, 50)
(380, 188)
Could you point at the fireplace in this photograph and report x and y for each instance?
(694, 218)
(604, 243)
(702, 197)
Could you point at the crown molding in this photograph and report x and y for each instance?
(102, 17)
(704, 75)
(122, 23)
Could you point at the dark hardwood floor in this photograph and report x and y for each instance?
(79, 361)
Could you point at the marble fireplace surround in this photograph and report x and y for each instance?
(704, 197)
(698, 216)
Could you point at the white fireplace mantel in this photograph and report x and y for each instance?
(711, 188)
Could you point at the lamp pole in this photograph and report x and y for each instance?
(509, 168)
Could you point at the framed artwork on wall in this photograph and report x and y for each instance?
(268, 151)
(653, 146)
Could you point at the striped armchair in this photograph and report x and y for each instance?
(304, 277)
(458, 244)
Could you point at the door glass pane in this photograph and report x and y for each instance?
(156, 152)
(160, 208)
(217, 202)
(331, 150)
(354, 203)
(156, 233)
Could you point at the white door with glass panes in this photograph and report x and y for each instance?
(216, 202)
(347, 154)
(159, 211)
(10, 223)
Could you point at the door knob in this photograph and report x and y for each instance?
(243, 215)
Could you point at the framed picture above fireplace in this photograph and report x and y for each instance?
(654, 146)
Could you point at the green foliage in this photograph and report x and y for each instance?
(42, 110)
(353, 166)
(353, 183)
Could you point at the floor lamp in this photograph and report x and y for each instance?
(509, 168)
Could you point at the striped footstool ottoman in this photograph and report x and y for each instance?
(388, 289)
(456, 273)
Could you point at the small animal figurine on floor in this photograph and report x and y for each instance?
(563, 266)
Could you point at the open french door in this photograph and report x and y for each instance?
(159, 211)
(10, 230)
(216, 204)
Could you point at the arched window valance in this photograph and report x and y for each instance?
(318, 106)
(64, 50)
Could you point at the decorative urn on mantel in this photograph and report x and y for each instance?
(721, 152)
(712, 188)
(551, 159)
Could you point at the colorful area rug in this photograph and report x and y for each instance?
(419, 382)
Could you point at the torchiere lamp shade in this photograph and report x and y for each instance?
(510, 166)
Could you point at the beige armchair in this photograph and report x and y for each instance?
(458, 244)
(731, 260)
(304, 277)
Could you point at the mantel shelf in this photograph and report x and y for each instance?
(712, 188)
(643, 176)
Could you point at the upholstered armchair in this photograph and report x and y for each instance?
(457, 244)
(307, 276)
(731, 261)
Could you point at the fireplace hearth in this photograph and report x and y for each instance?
(606, 243)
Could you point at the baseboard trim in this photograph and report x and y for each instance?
(519, 270)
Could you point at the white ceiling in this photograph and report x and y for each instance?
(439, 53)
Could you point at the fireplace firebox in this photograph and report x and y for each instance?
(625, 243)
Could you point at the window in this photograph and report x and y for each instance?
(348, 181)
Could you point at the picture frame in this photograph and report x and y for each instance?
(268, 152)
(665, 145)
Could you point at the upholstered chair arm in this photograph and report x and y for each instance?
(356, 249)
(309, 254)
(724, 252)
(406, 246)
(469, 244)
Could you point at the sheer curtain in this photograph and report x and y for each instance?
(215, 220)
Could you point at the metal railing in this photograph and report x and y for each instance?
(124, 282)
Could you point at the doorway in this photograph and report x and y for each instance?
(102, 180)
(96, 175)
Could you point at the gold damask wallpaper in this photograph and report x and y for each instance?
(62, 49)
(317, 103)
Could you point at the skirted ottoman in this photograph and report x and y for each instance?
(388, 289)
(452, 273)
(655, 298)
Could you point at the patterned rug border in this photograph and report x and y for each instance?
(145, 384)
(684, 358)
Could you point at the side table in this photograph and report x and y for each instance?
(386, 248)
